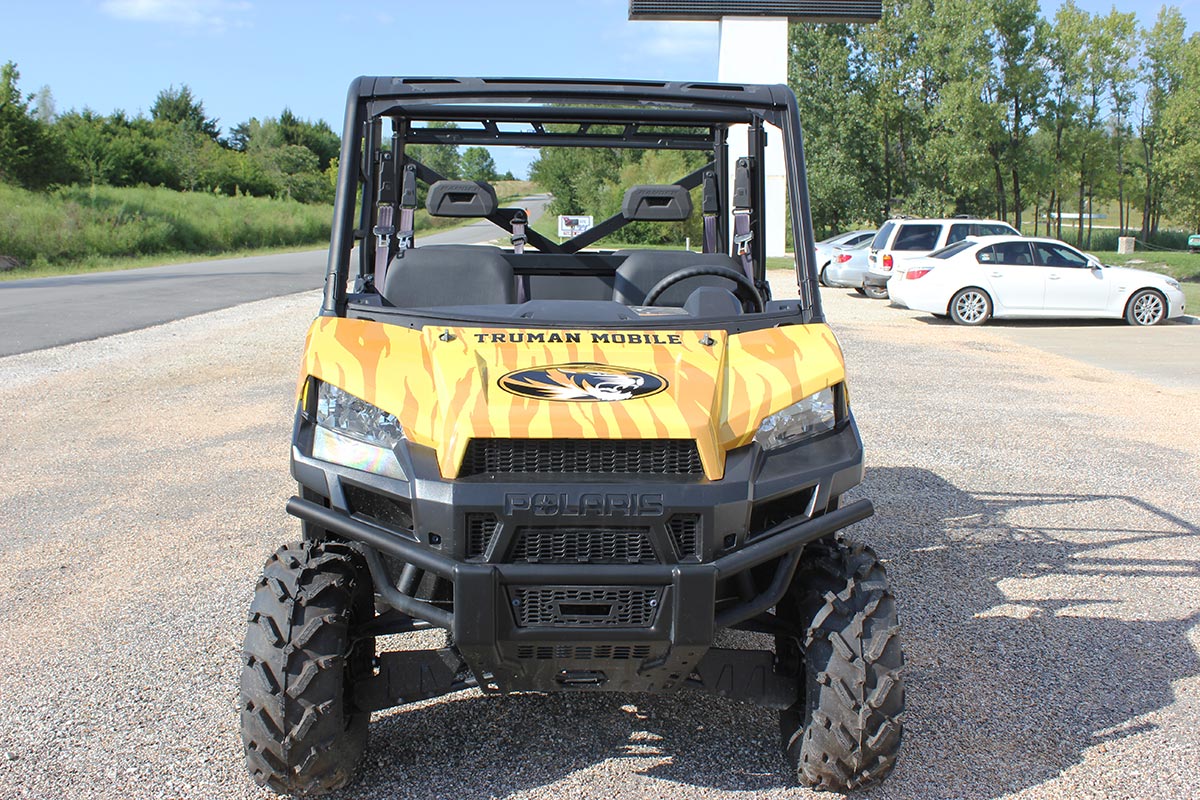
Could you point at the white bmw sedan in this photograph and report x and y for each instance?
(1009, 276)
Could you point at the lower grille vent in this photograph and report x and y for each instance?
(583, 546)
(685, 532)
(585, 606)
(606, 652)
(481, 529)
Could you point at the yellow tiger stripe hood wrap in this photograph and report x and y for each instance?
(444, 383)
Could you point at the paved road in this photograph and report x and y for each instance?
(1167, 354)
(46, 312)
(1035, 514)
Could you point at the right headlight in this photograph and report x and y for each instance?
(352, 432)
(813, 415)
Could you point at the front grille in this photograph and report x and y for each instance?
(481, 529)
(583, 546)
(608, 652)
(584, 606)
(685, 532)
(587, 456)
(391, 513)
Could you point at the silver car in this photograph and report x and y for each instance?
(825, 248)
(847, 267)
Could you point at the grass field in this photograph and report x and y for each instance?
(79, 229)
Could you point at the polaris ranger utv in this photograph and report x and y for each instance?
(584, 464)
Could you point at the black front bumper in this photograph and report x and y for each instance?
(517, 657)
(627, 626)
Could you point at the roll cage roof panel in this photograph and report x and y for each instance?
(628, 114)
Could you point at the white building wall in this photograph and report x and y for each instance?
(755, 50)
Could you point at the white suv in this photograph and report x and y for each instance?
(903, 238)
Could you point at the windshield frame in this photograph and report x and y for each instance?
(720, 105)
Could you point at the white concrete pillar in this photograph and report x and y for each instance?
(755, 50)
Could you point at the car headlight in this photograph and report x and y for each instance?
(813, 415)
(352, 432)
(1174, 284)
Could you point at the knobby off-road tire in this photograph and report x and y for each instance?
(301, 732)
(844, 733)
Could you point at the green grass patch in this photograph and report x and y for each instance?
(1182, 266)
(78, 228)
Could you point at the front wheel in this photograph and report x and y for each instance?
(1146, 307)
(971, 306)
(302, 733)
(845, 731)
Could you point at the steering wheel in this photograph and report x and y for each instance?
(744, 290)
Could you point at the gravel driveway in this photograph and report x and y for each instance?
(1039, 515)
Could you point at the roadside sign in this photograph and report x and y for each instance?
(573, 225)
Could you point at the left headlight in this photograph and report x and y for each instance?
(352, 432)
(1174, 284)
(813, 415)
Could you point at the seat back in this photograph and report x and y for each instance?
(641, 269)
(449, 275)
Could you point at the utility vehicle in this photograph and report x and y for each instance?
(584, 464)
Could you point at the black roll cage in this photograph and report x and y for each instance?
(650, 115)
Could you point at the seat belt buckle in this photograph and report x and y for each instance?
(383, 234)
(741, 243)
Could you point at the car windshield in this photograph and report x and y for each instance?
(952, 250)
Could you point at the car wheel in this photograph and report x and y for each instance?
(1146, 307)
(860, 290)
(875, 292)
(971, 306)
(821, 278)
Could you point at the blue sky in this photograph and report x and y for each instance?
(247, 58)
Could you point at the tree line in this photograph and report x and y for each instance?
(179, 146)
(985, 107)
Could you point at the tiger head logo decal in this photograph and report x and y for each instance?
(582, 383)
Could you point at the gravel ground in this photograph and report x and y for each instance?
(1039, 517)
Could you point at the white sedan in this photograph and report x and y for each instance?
(1011, 276)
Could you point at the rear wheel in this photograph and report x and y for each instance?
(971, 306)
(1146, 307)
(821, 278)
(845, 731)
(860, 290)
(301, 731)
(875, 292)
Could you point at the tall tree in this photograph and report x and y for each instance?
(27, 153)
(477, 165)
(1161, 74)
(1019, 37)
(1180, 143)
(180, 107)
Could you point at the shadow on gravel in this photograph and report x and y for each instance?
(1021, 656)
(1032, 632)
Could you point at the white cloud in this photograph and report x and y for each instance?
(684, 40)
(666, 47)
(218, 14)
